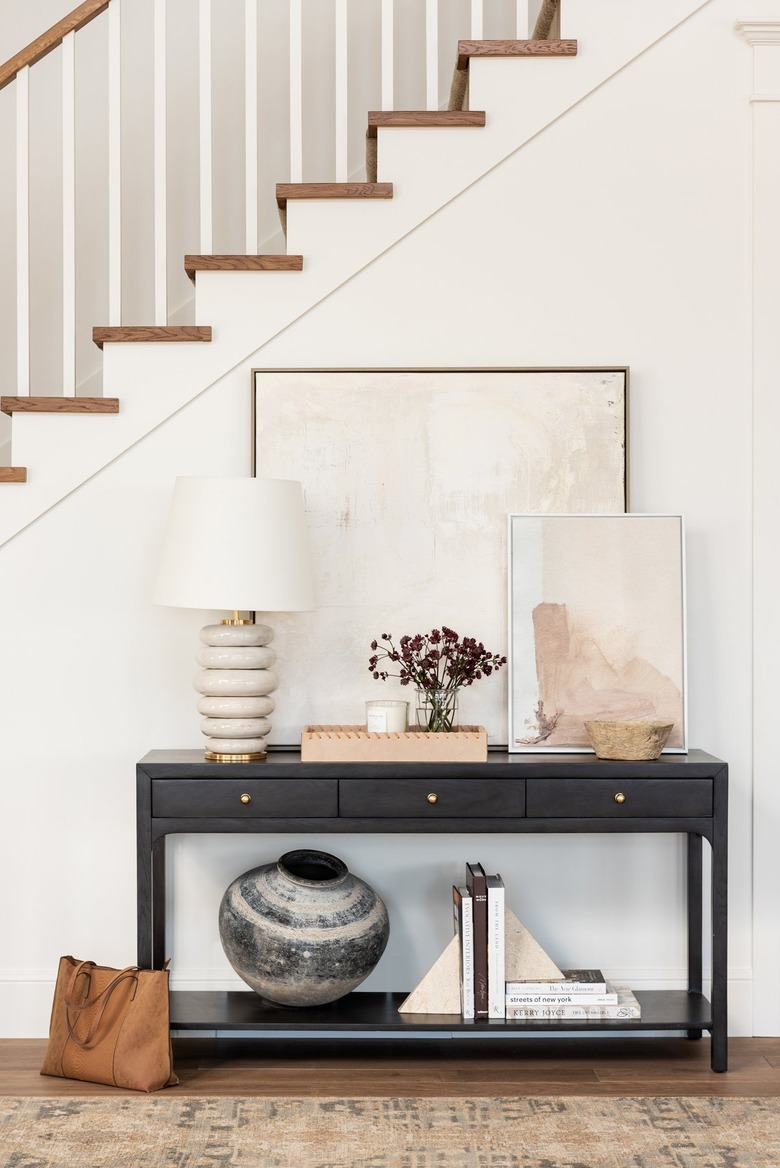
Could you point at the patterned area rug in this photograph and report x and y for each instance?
(580, 1132)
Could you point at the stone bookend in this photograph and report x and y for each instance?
(439, 990)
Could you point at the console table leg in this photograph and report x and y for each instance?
(144, 871)
(158, 903)
(695, 919)
(720, 941)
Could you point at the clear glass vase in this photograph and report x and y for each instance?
(437, 710)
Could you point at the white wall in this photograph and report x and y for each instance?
(640, 256)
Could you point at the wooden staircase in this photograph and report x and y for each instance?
(340, 229)
(285, 193)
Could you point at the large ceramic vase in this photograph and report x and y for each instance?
(303, 931)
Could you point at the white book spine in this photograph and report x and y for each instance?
(567, 986)
(626, 1007)
(584, 1012)
(608, 999)
(514, 988)
(467, 958)
(496, 948)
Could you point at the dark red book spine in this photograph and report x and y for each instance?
(477, 883)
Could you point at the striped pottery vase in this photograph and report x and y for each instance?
(303, 931)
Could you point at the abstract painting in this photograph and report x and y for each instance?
(597, 622)
(408, 476)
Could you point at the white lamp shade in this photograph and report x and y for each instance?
(236, 543)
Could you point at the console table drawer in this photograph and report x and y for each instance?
(430, 798)
(250, 798)
(624, 798)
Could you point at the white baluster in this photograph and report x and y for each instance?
(160, 166)
(296, 93)
(477, 20)
(69, 214)
(523, 23)
(23, 231)
(388, 54)
(250, 124)
(432, 54)
(204, 123)
(342, 85)
(114, 164)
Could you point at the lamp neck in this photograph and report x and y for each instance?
(235, 619)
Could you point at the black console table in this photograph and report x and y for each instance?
(510, 793)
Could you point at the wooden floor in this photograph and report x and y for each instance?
(576, 1066)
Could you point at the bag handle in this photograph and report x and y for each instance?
(82, 969)
(131, 972)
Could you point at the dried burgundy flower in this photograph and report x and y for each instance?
(436, 660)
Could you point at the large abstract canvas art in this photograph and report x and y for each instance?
(597, 626)
(408, 477)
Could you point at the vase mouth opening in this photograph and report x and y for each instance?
(309, 867)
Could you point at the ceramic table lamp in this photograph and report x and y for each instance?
(238, 544)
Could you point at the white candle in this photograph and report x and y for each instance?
(386, 717)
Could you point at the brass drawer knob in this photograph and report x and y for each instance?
(246, 799)
(620, 797)
(433, 797)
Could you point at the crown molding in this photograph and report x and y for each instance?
(759, 32)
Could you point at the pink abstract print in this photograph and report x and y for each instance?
(597, 626)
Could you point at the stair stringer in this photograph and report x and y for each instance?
(429, 168)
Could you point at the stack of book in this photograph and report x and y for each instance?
(479, 918)
(479, 922)
(584, 993)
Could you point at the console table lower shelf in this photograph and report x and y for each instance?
(673, 1010)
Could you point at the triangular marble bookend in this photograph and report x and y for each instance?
(525, 960)
(439, 990)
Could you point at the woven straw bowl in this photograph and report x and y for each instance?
(629, 741)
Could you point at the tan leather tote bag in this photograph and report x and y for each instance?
(111, 1026)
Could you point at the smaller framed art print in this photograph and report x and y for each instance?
(597, 626)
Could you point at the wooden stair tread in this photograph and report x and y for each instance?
(59, 405)
(242, 263)
(546, 48)
(13, 474)
(103, 334)
(424, 118)
(285, 191)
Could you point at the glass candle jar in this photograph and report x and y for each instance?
(384, 716)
